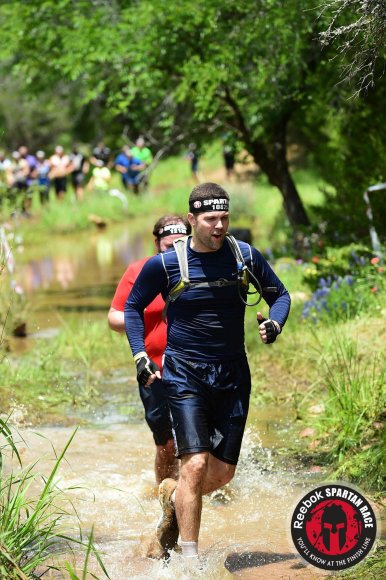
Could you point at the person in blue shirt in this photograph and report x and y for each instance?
(130, 168)
(43, 169)
(205, 370)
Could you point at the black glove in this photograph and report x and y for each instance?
(270, 329)
(145, 368)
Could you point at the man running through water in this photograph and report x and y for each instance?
(165, 231)
(205, 373)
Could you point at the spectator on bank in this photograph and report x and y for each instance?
(18, 179)
(79, 167)
(5, 175)
(28, 167)
(129, 167)
(43, 169)
(143, 153)
(229, 160)
(5, 170)
(29, 163)
(193, 155)
(100, 155)
(229, 154)
(60, 168)
(100, 179)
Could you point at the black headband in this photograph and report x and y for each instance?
(172, 229)
(209, 204)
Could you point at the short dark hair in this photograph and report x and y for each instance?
(169, 220)
(206, 190)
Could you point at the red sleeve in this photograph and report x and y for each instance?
(125, 285)
(155, 328)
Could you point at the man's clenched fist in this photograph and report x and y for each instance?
(268, 329)
(145, 368)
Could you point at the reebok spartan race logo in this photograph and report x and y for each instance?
(333, 527)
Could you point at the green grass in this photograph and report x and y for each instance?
(351, 426)
(64, 370)
(373, 567)
(334, 365)
(354, 390)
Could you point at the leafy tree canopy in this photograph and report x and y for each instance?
(189, 71)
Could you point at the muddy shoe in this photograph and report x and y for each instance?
(167, 527)
(155, 550)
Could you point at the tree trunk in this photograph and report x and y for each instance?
(272, 159)
(275, 166)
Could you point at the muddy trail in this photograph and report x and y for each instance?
(245, 527)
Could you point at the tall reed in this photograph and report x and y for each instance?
(34, 530)
(354, 412)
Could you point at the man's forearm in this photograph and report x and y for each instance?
(135, 329)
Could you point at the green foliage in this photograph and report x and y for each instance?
(339, 262)
(69, 216)
(348, 149)
(355, 389)
(154, 67)
(347, 282)
(254, 69)
(34, 120)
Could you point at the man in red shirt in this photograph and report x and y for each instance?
(167, 229)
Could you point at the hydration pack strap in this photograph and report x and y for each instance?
(184, 283)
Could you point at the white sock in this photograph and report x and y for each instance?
(189, 549)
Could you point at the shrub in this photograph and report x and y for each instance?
(347, 282)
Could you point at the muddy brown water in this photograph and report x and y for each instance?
(75, 274)
(245, 527)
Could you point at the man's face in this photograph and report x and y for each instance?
(165, 243)
(209, 230)
(128, 152)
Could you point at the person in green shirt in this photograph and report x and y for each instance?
(143, 153)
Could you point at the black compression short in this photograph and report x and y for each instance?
(208, 404)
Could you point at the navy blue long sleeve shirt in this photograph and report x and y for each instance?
(203, 323)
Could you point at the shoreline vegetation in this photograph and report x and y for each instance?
(328, 367)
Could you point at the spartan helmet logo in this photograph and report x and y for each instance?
(197, 204)
(334, 528)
